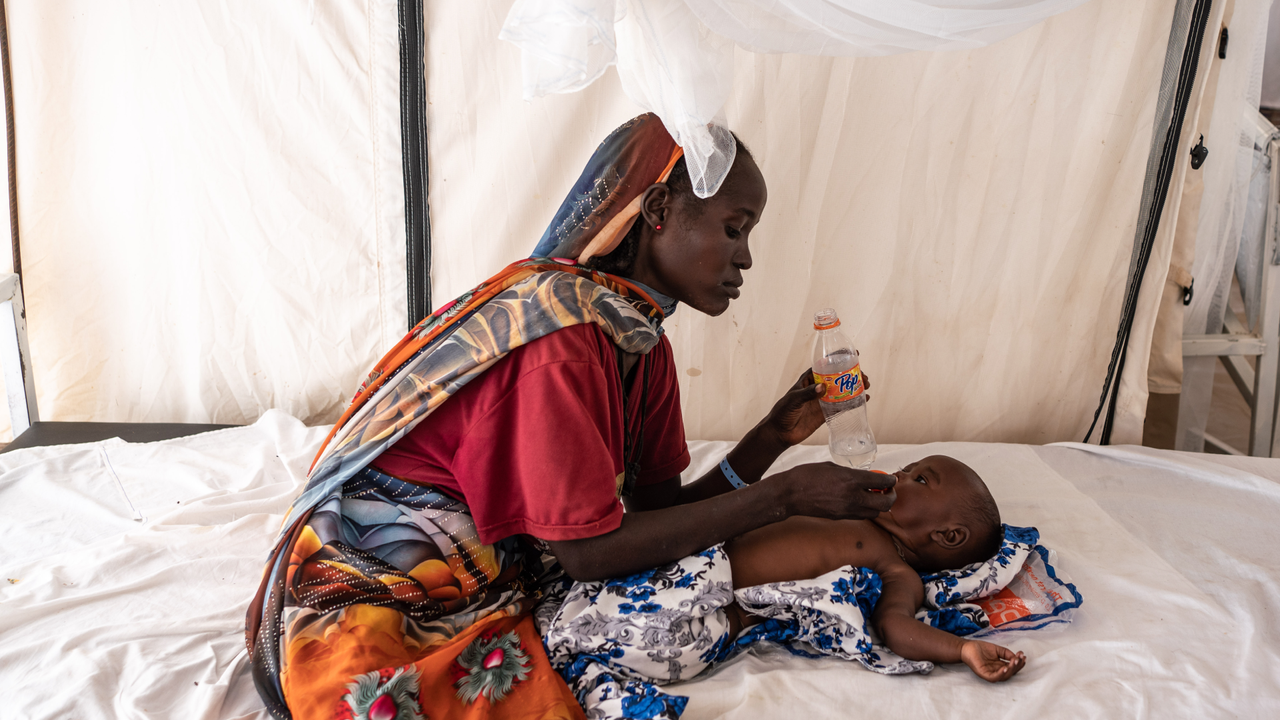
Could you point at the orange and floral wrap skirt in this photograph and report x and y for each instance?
(390, 608)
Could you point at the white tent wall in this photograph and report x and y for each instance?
(971, 215)
(211, 204)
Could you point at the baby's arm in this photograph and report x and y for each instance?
(895, 622)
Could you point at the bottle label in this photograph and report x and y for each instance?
(842, 386)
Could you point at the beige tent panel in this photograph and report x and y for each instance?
(211, 205)
(971, 215)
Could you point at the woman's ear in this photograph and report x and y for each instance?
(655, 204)
(952, 537)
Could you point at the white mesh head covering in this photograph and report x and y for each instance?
(709, 151)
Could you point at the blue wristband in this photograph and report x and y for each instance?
(730, 475)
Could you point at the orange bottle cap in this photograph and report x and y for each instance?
(825, 319)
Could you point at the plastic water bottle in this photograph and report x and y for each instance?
(835, 362)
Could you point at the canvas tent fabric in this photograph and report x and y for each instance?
(1164, 373)
(211, 205)
(205, 239)
(971, 214)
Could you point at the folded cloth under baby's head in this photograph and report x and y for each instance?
(1018, 588)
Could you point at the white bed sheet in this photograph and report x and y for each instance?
(106, 616)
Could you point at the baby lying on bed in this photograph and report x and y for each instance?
(804, 583)
(944, 518)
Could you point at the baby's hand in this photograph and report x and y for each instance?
(991, 662)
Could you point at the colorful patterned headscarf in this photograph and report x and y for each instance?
(604, 202)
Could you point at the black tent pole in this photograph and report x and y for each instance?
(1142, 252)
(413, 142)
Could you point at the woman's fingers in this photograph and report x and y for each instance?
(806, 378)
(799, 395)
(880, 486)
(797, 415)
(790, 409)
(839, 492)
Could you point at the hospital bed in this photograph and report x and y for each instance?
(128, 566)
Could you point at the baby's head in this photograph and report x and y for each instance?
(944, 516)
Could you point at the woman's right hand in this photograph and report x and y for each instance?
(828, 490)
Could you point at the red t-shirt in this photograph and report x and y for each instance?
(534, 445)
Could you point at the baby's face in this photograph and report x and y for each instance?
(928, 490)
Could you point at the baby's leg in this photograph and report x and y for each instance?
(739, 619)
(661, 626)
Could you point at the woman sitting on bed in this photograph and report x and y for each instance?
(517, 420)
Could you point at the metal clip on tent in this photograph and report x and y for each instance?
(1198, 154)
(1262, 340)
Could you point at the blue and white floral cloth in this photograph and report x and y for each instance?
(616, 641)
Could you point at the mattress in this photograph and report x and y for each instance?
(127, 569)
